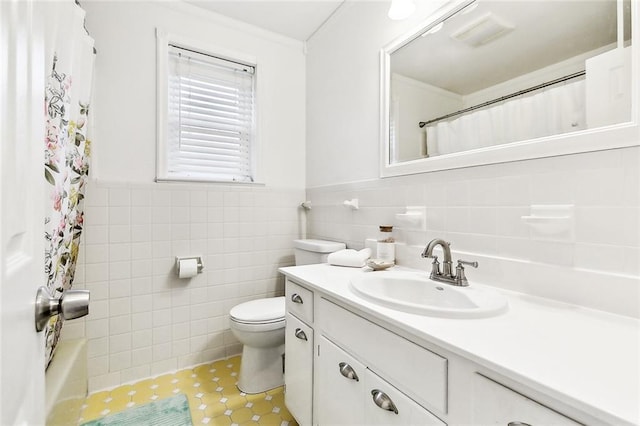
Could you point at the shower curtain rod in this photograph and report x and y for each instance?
(503, 98)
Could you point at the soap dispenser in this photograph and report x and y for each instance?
(386, 248)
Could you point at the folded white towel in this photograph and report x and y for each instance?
(349, 257)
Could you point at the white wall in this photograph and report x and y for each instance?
(342, 90)
(124, 105)
(144, 321)
(478, 209)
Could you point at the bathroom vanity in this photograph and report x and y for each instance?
(351, 361)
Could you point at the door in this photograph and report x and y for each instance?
(21, 212)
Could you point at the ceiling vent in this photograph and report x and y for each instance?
(482, 30)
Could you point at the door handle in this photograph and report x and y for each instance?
(383, 401)
(300, 334)
(71, 304)
(295, 297)
(347, 371)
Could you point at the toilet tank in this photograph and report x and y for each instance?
(314, 251)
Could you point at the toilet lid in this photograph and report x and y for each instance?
(260, 310)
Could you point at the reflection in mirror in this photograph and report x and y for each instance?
(497, 72)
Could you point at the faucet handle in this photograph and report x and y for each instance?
(461, 278)
(466, 262)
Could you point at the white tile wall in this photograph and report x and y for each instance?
(479, 211)
(144, 320)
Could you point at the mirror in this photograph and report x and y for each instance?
(483, 78)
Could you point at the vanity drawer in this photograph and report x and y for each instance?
(494, 403)
(416, 371)
(299, 301)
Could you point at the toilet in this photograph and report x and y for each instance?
(259, 326)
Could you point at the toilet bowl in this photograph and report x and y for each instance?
(259, 326)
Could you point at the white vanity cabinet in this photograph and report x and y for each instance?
(495, 404)
(344, 366)
(353, 354)
(349, 393)
(299, 344)
(416, 371)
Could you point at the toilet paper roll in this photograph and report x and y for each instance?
(187, 268)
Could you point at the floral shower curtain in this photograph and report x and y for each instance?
(69, 63)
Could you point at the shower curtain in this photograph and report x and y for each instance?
(69, 64)
(552, 111)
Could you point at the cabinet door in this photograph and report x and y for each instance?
(385, 405)
(340, 399)
(495, 404)
(298, 371)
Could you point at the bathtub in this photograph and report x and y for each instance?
(66, 383)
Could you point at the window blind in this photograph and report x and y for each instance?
(210, 118)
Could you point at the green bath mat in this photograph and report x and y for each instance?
(172, 411)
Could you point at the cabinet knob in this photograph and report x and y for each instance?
(347, 371)
(295, 298)
(518, 424)
(300, 334)
(383, 401)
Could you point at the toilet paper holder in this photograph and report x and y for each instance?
(197, 258)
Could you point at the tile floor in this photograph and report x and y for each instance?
(212, 393)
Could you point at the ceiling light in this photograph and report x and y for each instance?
(401, 9)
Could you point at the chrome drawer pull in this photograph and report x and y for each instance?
(383, 401)
(295, 298)
(347, 371)
(300, 334)
(518, 424)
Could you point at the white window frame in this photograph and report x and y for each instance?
(163, 40)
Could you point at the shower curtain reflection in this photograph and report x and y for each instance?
(554, 110)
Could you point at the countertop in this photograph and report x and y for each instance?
(587, 359)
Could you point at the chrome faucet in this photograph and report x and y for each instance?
(435, 265)
(447, 276)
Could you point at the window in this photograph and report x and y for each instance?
(209, 126)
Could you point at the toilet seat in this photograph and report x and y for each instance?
(268, 312)
(257, 327)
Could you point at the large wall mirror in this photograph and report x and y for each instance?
(490, 81)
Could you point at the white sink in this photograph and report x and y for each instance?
(414, 292)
